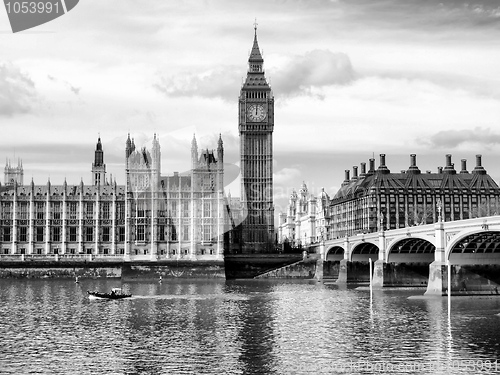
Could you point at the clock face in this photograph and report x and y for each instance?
(256, 112)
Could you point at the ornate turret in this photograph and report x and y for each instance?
(194, 152)
(98, 166)
(13, 174)
(220, 150)
(128, 147)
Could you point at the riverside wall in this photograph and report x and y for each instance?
(127, 271)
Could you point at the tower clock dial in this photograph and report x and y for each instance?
(256, 112)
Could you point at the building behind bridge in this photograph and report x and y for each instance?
(376, 199)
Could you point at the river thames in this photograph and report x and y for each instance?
(241, 327)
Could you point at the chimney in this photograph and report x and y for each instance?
(413, 165)
(363, 169)
(479, 168)
(450, 167)
(355, 173)
(372, 165)
(382, 167)
(464, 166)
(347, 178)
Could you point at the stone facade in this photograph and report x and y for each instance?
(379, 199)
(151, 217)
(307, 219)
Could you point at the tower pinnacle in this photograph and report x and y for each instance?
(98, 166)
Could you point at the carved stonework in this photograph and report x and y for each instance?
(450, 235)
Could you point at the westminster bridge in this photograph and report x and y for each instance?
(421, 255)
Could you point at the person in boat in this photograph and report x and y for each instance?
(113, 292)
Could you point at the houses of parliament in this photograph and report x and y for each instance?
(154, 217)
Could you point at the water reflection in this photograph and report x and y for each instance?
(237, 327)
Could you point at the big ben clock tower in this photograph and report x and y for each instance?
(256, 123)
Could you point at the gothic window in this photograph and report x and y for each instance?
(72, 210)
(185, 209)
(6, 234)
(141, 233)
(105, 234)
(121, 234)
(105, 212)
(39, 234)
(23, 211)
(40, 210)
(161, 208)
(23, 234)
(207, 233)
(89, 210)
(56, 234)
(185, 232)
(55, 210)
(141, 211)
(206, 209)
(6, 210)
(89, 234)
(120, 210)
(72, 234)
(161, 232)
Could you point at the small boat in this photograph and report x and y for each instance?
(116, 293)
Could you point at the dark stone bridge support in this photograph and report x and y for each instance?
(357, 270)
(475, 266)
(407, 264)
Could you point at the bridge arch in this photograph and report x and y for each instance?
(474, 247)
(363, 251)
(334, 253)
(412, 249)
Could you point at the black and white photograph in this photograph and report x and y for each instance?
(250, 187)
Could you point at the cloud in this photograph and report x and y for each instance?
(17, 90)
(223, 82)
(314, 69)
(286, 175)
(75, 90)
(454, 138)
(425, 14)
(301, 75)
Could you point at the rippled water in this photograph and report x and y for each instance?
(241, 327)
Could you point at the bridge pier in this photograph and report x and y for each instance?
(342, 279)
(378, 274)
(318, 274)
(437, 269)
(437, 273)
(378, 266)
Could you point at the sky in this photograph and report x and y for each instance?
(352, 79)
